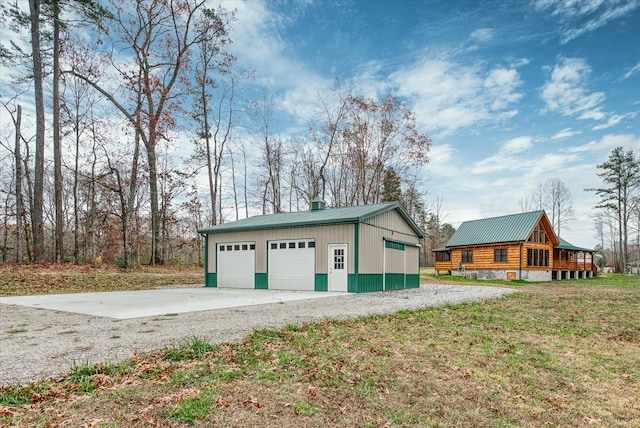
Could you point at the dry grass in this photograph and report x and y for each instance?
(27, 279)
(557, 354)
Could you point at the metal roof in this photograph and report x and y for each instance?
(564, 245)
(509, 228)
(356, 214)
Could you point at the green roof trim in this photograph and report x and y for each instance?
(397, 241)
(329, 216)
(509, 228)
(564, 245)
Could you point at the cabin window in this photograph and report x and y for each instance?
(500, 255)
(537, 257)
(443, 256)
(467, 256)
(538, 235)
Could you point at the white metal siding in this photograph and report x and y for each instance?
(236, 264)
(292, 265)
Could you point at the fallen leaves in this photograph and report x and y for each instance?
(252, 402)
(146, 413)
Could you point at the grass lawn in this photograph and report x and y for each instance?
(557, 354)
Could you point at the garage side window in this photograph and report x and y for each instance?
(274, 246)
(221, 247)
(311, 244)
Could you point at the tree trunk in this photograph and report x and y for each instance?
(76, 207)
(19, 208)
(37, 214)
(233, 184)
(57, 151)
(156, 248)
(130, 205)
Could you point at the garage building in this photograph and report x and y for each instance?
(355, 249)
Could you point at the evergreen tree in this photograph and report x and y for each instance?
(621, 176)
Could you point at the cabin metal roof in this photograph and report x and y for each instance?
(329, 216)
(509, 228)
(564, 245)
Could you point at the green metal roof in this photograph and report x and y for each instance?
(509, 228)
(564, 245)
(327, 216)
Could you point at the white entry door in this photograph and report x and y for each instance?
(338, 267)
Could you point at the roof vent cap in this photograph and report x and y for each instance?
(318, 204)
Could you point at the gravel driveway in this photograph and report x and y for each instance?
(38, 343)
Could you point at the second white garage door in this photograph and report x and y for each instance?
(236, 264)
(292, 265)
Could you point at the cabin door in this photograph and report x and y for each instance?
(337, 267)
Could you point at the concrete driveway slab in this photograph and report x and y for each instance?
(149, 303)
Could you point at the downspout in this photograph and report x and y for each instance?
(356, 261)
(520, 268)
(384, 271)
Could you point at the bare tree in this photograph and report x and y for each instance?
(16, 117)
(271, 151)
(215, 119)
(555, 198)
(160, 36)
(376, 135)
(558, 199)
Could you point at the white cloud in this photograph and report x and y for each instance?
(505, 158)
(635, 69)
(258, 44)
(448, 96)
(604, 146)
(517, 145)
(483, 34)
(440, 158)
(613, 121)
(565, 133)
(581, 17)
(567, 93)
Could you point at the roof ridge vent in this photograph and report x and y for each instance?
(318, 204)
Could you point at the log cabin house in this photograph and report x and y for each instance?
(518, 246)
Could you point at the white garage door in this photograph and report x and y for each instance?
(236, 264)
(292, 265)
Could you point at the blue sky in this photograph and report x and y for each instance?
(512, 93)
